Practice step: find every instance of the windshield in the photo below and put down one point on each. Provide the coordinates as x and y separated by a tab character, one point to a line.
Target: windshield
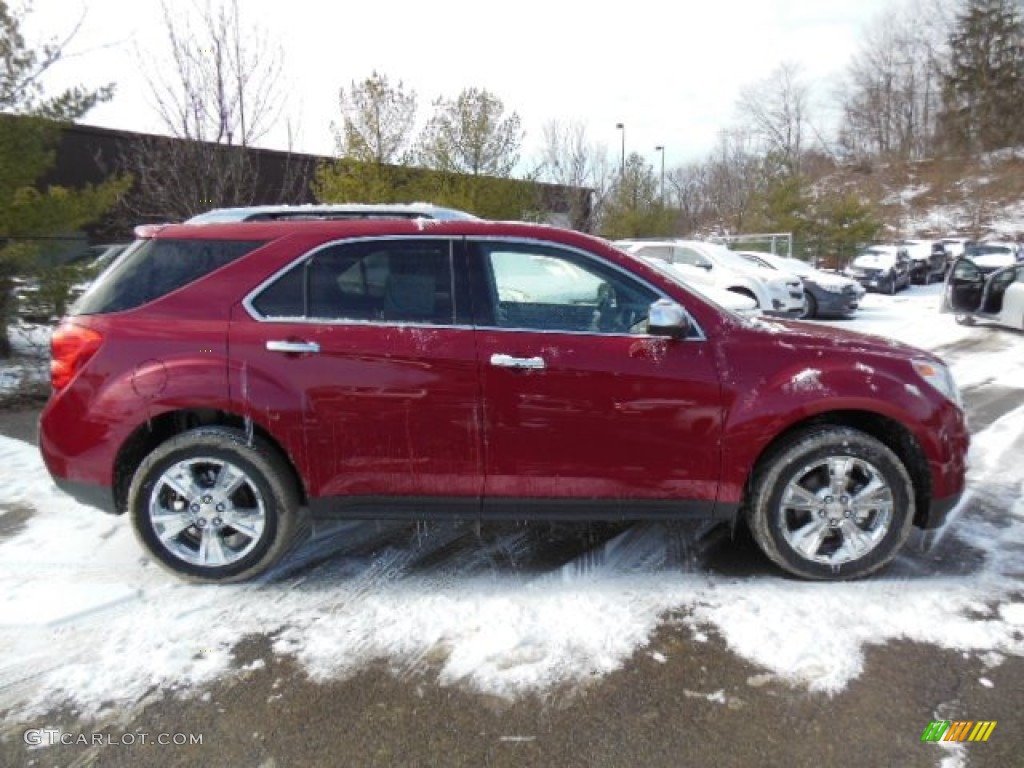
986	249
730	258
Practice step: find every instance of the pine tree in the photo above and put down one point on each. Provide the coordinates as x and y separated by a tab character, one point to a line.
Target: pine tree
983	89
27	144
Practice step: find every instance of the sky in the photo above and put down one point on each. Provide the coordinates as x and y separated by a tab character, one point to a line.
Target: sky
671	73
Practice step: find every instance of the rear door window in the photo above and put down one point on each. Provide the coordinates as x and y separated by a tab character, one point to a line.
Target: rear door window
408	281
155	268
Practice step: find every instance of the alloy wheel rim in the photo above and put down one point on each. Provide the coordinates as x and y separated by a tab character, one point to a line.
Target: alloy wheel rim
207	512
836	510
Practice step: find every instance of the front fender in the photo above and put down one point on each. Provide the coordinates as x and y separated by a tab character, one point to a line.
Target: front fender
799	393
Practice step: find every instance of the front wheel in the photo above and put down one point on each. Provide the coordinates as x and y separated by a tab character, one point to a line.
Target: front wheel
810	307
831	503
210	505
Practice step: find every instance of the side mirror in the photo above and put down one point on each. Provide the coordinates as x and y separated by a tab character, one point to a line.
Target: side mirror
666	318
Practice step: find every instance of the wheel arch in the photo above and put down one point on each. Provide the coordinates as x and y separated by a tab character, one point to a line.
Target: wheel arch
889	432
750	290
157	430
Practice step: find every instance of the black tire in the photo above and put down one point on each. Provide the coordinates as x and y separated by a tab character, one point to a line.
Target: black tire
892	286
810	307
267	481
798	461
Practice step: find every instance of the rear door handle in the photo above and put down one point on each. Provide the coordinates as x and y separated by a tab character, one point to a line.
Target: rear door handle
528	363
293	347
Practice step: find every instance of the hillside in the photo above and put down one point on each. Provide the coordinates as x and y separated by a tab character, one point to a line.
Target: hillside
980	197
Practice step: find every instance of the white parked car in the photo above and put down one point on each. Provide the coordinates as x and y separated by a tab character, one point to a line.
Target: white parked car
710	264
736	302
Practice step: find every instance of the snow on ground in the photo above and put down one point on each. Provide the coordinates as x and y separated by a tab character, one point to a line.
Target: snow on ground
87	620
30	367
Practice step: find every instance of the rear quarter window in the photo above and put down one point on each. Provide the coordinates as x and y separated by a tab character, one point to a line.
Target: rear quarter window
154	269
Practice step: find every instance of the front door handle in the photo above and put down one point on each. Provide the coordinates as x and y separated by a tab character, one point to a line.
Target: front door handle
293	347
528	363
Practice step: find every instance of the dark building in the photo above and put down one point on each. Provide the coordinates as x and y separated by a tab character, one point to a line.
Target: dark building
89	155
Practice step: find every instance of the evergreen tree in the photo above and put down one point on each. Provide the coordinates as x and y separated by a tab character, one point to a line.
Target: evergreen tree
27	144
634	207
983	89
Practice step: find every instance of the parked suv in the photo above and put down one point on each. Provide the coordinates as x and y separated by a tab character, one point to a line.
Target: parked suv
927	260
222	382
884	268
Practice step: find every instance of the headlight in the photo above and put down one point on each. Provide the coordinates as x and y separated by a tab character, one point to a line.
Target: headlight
939	376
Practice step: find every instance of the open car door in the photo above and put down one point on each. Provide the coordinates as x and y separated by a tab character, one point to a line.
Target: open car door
964	289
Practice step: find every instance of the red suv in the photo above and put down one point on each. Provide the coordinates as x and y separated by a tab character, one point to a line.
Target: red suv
224	381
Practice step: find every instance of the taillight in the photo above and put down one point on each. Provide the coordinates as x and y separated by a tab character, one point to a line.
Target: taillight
71	347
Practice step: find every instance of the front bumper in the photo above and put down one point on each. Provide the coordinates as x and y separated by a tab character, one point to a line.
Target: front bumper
788	303
873	282
837	304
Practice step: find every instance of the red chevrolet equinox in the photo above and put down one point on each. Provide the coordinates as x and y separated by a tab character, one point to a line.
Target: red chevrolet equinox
223	381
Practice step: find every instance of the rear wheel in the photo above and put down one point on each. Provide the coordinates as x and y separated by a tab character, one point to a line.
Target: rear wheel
831	503
209	505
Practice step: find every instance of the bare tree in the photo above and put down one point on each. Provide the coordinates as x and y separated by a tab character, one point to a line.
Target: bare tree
688	191
735	174
472	135
377	121
220	94
777	109
568	158
374	144
891	93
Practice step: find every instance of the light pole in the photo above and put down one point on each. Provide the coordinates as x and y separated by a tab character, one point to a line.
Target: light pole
661	148
622	163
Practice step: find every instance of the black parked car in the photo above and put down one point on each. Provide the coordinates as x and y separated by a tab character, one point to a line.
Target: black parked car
927	260
883	268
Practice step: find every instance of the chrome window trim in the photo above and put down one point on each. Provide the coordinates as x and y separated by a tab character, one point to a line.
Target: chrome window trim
247	301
